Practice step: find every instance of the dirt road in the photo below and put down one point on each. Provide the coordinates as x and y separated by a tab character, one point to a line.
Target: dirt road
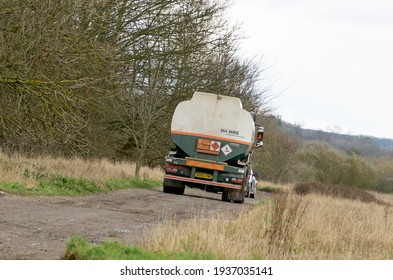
38	227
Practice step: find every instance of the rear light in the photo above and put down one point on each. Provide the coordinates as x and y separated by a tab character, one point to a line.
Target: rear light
171	170
171	165
174	168
260	133
259	137
237	180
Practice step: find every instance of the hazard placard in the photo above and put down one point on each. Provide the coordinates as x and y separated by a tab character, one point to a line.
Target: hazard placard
226	150
208	146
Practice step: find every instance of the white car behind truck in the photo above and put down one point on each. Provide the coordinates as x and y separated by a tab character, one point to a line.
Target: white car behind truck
214	138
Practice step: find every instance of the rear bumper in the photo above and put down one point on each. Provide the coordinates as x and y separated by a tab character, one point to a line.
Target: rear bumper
198	163
202	182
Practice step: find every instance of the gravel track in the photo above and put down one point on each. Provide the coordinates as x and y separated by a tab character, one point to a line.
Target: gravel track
37	228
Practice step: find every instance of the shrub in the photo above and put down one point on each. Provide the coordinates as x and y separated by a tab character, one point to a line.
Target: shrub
321	163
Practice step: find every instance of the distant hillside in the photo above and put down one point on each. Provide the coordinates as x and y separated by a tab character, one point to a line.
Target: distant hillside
384	143
365	145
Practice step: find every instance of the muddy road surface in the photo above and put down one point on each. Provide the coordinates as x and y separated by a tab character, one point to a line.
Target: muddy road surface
37	228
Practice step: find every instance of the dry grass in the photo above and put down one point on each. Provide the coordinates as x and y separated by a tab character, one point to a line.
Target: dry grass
288	227
339	191
26	171
387	198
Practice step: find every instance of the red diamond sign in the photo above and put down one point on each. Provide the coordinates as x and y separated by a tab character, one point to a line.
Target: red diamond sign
215	146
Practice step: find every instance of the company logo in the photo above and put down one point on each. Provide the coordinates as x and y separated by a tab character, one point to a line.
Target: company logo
229	131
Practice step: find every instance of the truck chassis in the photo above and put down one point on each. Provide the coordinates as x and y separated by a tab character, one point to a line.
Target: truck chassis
206	175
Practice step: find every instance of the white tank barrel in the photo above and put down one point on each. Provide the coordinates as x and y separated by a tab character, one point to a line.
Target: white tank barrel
215	118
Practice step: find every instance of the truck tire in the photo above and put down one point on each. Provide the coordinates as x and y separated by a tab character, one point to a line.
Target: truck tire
168	189
171	186
179	190
239	199
224	196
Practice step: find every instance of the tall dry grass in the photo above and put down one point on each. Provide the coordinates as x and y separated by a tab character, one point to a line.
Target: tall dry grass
287	227
26	171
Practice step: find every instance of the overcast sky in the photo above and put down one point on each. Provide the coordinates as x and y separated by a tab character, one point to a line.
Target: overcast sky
329	62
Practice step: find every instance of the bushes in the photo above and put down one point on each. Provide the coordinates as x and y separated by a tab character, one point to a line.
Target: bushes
285	159
324	164
321	163
290	157
384	167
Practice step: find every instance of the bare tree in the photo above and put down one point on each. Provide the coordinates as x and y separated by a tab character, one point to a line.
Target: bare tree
278	156
53	72
168	62
102	78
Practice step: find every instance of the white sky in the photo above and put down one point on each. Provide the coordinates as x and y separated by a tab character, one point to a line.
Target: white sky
329	62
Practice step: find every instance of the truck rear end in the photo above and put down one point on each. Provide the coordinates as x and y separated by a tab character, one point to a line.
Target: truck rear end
214	138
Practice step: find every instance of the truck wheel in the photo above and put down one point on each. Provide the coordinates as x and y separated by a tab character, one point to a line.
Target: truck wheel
172	186
224	196
179	190
239	198
168	189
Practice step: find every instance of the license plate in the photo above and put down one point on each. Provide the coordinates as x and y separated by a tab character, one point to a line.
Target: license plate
203	175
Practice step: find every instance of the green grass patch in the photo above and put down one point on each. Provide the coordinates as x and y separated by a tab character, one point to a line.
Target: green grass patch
54	185
12	187
132	183
80	249
59	185
65	186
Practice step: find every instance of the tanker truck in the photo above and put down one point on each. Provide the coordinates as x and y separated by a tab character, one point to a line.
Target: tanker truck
214	139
